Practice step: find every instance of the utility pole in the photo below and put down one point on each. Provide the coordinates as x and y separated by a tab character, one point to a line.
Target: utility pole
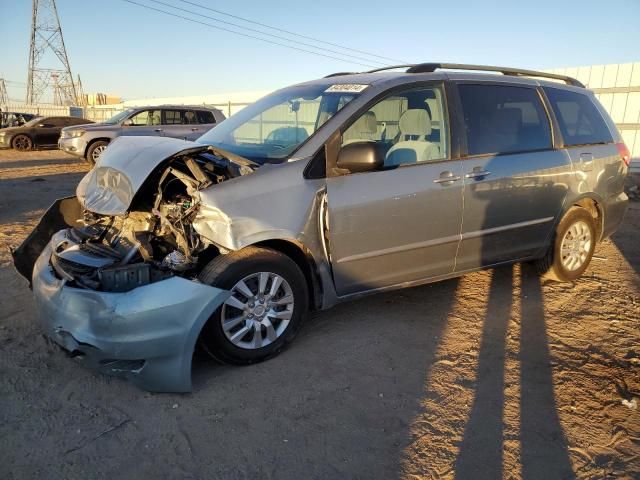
46	38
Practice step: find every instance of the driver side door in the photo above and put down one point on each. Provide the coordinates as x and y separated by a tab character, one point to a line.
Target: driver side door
400	223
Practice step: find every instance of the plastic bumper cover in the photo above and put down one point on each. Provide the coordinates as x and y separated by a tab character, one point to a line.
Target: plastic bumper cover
73	145
615	209
147	335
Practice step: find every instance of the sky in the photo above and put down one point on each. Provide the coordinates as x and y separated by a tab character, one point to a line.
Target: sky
124	49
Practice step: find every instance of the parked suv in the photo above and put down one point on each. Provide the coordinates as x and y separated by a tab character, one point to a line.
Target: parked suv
316	194
179	121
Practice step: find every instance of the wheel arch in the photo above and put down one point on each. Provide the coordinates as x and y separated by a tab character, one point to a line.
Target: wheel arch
594	205
297	252
94	140
29	135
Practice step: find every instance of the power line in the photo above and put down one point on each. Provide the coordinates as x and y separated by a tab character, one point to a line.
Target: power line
148	7
267	34
290	32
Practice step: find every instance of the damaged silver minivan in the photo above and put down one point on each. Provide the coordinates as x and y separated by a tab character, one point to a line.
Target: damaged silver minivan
319	193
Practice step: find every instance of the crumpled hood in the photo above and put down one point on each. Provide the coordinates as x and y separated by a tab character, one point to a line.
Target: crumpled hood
110	186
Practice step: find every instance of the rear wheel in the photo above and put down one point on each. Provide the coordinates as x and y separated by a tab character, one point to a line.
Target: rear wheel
572	249
268	302
22	143
95	150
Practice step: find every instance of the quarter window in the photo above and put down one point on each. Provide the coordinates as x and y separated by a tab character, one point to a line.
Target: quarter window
503	119
205	117
578	118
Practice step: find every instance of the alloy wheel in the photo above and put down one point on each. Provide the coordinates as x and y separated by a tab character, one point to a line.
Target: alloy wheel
258	311
95	154
575	246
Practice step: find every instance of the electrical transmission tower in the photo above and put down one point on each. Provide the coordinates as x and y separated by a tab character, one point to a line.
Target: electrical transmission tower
47	51
4	96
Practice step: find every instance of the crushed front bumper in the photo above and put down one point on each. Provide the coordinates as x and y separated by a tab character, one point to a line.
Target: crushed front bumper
147	335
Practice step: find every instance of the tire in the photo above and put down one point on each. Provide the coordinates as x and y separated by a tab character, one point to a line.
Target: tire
229	344
94	151
22	143
570	264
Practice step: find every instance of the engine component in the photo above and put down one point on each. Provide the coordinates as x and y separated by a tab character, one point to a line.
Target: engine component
128	277
179	262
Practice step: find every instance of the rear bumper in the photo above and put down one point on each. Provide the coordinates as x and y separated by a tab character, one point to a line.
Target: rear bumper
74	146
147	335
615	209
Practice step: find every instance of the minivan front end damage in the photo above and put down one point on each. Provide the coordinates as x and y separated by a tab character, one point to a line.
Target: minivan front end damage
114	270
146	334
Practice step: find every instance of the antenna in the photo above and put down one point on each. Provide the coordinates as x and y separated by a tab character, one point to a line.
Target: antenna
46	38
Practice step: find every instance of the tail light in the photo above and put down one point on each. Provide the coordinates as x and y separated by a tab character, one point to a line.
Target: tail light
624	152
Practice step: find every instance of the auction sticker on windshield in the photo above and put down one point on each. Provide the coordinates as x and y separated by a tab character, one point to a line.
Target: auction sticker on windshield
346	88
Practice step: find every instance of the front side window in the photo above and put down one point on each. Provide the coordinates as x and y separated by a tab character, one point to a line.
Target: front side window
578	118
409	127
146	117
503	119
271	129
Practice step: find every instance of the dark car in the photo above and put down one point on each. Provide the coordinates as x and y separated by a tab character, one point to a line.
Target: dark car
15	119
39	132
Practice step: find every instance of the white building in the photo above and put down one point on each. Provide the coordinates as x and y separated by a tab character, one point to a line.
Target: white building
617	86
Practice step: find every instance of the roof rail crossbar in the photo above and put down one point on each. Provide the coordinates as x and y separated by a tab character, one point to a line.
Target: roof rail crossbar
339	74
516	72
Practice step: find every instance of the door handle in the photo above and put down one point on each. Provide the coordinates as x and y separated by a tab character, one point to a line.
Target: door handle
477	172
195	129
447	177
157	130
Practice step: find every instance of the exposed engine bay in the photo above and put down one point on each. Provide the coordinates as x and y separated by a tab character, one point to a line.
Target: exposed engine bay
154	239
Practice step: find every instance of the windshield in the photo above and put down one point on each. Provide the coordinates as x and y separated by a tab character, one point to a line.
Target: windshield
271	129
119	117
33	122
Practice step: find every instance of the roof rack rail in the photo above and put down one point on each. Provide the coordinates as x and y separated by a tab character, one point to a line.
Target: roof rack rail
432	67
515	72
339	74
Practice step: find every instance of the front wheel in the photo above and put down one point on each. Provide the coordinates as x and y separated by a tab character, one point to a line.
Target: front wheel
572	249
269	299
95	150
22	143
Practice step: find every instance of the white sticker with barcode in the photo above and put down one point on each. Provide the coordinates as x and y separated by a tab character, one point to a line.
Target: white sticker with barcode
346	88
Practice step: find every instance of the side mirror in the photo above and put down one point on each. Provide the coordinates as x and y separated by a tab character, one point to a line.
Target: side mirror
127	123
360	157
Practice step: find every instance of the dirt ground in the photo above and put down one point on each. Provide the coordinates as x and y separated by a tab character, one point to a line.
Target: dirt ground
492	375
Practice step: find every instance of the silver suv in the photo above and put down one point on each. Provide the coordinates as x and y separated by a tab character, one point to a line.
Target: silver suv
316	194
177	121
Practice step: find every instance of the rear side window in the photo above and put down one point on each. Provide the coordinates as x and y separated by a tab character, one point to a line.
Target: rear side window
55	121
579	120
172	117
503	119
205	117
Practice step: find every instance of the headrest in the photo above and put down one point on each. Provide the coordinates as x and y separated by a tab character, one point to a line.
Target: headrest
507	120
415	121
369	122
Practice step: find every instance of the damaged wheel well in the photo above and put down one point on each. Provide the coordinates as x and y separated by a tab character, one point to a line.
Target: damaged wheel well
305	262
591	206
